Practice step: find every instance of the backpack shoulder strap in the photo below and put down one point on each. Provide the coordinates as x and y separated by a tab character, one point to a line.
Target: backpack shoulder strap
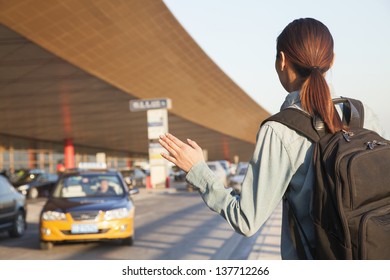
312	128
297	120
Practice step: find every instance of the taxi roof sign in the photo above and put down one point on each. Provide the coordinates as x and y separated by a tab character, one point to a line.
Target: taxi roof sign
137	105
92	165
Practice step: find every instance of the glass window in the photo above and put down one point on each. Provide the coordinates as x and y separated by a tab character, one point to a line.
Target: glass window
89	185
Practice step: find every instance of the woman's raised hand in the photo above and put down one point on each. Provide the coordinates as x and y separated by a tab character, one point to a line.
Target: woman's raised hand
181	154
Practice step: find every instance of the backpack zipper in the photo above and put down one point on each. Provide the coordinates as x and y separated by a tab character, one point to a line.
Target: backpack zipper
347	137
372	144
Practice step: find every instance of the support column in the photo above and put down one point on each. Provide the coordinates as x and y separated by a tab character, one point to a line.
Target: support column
32	159
69	153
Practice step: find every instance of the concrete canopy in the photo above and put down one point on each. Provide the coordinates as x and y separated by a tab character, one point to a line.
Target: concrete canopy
69	68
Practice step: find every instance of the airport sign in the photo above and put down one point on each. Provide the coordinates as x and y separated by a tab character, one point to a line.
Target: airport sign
137	105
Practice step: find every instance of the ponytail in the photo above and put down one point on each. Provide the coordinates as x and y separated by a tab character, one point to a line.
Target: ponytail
317	101
308	45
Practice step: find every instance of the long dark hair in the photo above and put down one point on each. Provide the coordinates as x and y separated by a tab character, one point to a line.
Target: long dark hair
308	45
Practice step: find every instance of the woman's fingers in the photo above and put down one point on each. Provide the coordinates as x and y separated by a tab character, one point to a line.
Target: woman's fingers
174	140
164	143
169	145
193	144
169	158
181	154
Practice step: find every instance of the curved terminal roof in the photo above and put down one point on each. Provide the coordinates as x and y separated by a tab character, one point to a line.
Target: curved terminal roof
69	69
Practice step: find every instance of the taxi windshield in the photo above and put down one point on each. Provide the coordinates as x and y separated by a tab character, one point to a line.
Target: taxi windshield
89	185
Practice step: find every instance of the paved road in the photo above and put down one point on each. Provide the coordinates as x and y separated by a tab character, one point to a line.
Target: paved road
169	225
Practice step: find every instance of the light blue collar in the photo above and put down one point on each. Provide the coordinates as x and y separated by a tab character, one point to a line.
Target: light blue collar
293	98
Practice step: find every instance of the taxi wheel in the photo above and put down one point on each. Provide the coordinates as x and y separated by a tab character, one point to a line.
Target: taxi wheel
128	241
46	245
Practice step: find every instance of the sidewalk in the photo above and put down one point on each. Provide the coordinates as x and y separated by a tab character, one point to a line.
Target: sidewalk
267	246
264	245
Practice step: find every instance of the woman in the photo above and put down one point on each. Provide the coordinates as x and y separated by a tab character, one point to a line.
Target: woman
282	160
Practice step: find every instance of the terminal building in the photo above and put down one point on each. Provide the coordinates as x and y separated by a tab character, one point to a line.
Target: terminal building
68	70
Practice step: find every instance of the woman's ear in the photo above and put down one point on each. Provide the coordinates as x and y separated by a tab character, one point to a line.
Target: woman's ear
282	61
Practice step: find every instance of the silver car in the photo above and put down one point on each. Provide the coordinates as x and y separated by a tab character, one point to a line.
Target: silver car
219	171
12	209
238	178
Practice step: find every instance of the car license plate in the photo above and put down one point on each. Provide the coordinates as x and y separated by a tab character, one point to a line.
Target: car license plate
84	228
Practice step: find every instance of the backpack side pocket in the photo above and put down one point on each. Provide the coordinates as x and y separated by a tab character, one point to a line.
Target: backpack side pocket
374	234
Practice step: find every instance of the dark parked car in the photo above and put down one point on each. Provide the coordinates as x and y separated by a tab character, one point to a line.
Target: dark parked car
33	183
12	209
178	174
134	177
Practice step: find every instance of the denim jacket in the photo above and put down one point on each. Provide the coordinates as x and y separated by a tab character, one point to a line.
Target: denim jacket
281	165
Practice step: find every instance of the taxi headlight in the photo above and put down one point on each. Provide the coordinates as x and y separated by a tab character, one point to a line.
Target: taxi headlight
53	216
116	214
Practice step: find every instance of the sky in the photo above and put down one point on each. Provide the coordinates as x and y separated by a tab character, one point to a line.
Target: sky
240	37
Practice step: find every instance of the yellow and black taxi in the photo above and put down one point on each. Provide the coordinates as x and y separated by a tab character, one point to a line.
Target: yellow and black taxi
88	204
